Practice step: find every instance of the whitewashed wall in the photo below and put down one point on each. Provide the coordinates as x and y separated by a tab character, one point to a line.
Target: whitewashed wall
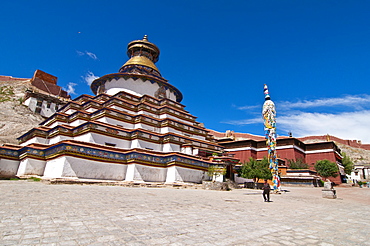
46	111
8	168
30	166
136	87
141	173
80	168
180	174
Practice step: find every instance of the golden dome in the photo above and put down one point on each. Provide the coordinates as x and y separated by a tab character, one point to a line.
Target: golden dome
141	60
142	53
144	48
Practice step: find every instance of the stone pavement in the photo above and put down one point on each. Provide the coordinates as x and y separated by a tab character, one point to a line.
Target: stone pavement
35	213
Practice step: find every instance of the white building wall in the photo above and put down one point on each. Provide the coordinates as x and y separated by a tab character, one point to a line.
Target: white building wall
136	87
70	111
198	137
150	145
47	109
180	174
58	138
30	166
77	122
147	113
91	110
169	130
56	123
141	173
80	168
115	122
102	139
165	116
359	173
8	168
31	103
168	147
54	168
35	140
124	110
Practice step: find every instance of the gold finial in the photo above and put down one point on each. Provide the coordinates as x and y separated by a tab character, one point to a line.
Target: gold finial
145	37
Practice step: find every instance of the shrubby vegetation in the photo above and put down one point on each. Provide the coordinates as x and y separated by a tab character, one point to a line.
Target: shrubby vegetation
256	169
297	164
326	168
5	93
347	163
215	171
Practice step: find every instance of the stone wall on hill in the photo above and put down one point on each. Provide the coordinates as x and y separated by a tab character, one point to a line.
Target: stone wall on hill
352	143
359	156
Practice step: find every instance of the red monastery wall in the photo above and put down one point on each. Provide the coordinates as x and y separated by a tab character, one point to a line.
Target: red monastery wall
244	155
290	153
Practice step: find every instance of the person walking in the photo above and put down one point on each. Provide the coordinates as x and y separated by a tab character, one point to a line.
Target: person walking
266	191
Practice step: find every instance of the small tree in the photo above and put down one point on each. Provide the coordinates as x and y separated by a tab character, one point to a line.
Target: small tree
256	170
297	164
347	163
215	171
326	168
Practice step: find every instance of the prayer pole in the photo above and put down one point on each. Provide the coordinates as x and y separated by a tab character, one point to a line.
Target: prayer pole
269	117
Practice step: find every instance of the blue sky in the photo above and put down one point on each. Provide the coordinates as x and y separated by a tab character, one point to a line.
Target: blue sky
314	56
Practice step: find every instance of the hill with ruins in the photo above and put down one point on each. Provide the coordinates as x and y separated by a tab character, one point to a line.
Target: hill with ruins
15	117
26	102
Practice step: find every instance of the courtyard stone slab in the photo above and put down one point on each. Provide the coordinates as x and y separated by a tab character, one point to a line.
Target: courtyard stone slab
36	213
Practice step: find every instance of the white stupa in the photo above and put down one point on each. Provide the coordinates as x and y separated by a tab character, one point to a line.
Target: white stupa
134	129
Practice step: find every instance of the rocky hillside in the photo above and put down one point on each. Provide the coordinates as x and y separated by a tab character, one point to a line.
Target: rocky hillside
15	118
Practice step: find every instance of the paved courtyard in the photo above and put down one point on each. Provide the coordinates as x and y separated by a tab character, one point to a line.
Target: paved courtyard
35	213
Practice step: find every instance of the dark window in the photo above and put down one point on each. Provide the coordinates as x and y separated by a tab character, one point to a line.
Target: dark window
110	144
39	103
38	110
48	104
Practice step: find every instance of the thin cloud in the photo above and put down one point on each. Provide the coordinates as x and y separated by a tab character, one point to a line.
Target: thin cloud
320	117
80	53
347	125
70	88
356	101
243	122
249	107
89	77
89	54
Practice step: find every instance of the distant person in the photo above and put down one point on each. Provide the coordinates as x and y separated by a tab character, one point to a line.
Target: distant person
266	191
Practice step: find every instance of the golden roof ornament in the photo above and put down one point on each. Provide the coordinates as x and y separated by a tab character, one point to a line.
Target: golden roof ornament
142	52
